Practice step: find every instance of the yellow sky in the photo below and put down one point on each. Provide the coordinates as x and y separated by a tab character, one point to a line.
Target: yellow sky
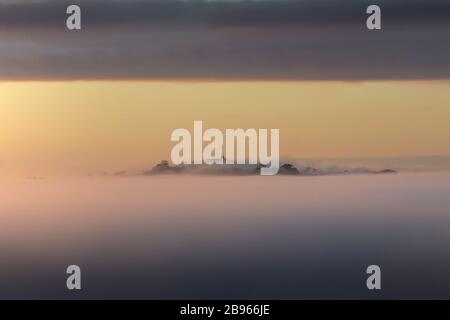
91	126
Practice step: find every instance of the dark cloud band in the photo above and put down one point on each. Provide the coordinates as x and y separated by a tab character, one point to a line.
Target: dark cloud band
264	40
221	13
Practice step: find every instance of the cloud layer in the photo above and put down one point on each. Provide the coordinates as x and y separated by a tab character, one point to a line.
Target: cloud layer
232	40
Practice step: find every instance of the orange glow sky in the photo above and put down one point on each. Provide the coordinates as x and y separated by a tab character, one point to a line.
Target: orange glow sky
89	126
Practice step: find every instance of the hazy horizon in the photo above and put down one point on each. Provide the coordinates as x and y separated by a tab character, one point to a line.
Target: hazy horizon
113	126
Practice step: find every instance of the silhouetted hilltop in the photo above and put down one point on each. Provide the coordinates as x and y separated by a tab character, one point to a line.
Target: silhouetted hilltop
164	167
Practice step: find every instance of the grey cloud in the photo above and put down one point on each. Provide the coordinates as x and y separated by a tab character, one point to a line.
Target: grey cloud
232	40
221	13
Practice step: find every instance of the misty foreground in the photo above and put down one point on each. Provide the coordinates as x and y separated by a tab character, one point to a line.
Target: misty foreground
226	237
